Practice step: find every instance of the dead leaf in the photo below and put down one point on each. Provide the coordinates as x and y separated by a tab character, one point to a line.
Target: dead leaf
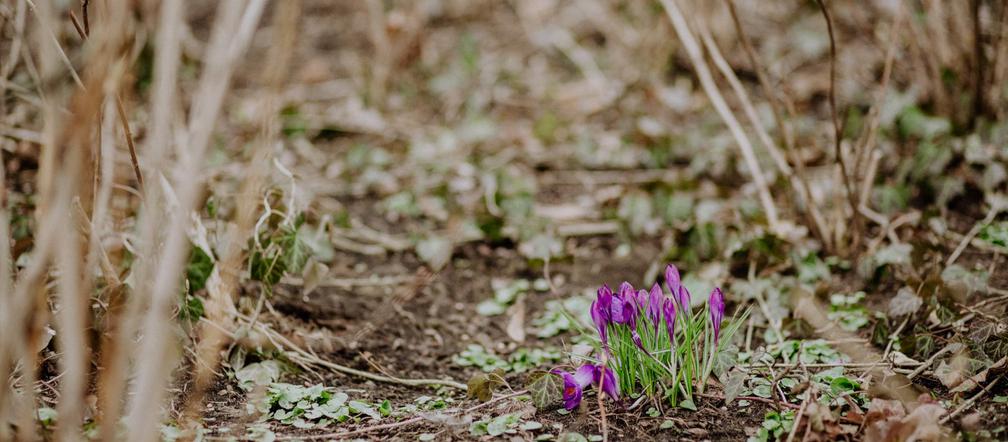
975	381
312	275
482	385
516	323
951	373
904	303
890	425
881	417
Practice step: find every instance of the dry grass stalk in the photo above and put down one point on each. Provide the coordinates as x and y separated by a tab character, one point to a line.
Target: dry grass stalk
695	54
220	305
113	380
231	35
799	185
845	175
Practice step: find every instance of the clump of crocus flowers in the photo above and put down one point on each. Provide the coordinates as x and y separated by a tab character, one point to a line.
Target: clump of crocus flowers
651	342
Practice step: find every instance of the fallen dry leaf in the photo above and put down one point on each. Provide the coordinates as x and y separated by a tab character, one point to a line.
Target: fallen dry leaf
516	324
975	381
892	426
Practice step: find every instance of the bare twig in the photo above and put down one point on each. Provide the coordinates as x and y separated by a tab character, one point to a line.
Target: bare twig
838	129
972	400
120	110
695	54
800	187
949	348
798	418
231	35
973	232
302	355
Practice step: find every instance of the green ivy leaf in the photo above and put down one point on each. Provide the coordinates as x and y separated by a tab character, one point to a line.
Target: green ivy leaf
546	389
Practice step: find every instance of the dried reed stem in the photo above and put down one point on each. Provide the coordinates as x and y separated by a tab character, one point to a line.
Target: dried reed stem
231	35
800	186
220	304
695	54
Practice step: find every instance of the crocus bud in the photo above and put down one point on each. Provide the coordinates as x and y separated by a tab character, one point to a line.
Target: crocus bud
717	307
672	281
683	298
670	318
654	306
601	309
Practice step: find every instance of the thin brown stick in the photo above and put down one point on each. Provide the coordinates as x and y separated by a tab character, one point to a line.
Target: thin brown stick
695	54
84	12
979	64
974	231
818	223
231	36
838	128
972	400
813	212
865	147
129	142
123	121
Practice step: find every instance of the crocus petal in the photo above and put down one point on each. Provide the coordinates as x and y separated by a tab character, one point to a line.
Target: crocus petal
584	375
605	297
642	299
637	340
571	390
605	378
670	318
683	297
672	281
654	306
626	290
600	315
623	305
717	307
630	312
616	310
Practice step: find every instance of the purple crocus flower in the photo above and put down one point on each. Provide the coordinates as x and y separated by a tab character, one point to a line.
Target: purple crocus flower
601	313
670	318
642	299
672	280
683	298
654	306
606	379
574	384
620	303
630	314
717	307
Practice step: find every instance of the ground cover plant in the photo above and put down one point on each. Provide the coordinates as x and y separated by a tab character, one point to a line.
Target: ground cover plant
524	220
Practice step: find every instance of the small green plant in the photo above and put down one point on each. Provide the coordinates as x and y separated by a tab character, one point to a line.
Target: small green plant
520	361
316	406
560	315
505	293
848	311
776	426
277	247
510	423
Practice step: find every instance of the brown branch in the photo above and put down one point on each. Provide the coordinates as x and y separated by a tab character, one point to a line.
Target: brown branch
129	142
980	64
84	12
838	128
812	212
83	32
